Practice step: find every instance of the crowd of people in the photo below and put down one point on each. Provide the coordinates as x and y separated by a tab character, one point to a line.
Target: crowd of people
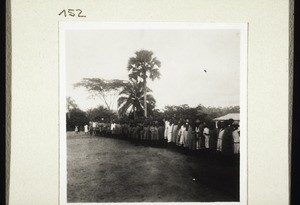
190	136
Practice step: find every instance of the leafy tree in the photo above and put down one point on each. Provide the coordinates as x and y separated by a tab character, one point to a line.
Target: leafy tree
158	114
184	112
74	115
199	112
77	118
141	67
214	112
99	113
71	103
132	98
106	90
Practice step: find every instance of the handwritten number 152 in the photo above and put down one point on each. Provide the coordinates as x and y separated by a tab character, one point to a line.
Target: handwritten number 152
72	13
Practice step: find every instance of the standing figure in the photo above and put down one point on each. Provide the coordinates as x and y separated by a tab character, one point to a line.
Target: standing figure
192	140
220	136
152	137
101	127
186	134
146	133
206	135
167	123
197	135
161	131
113	127
91	127
178	133
76	129
236	138
170	131
94	128
181	135
175	132
154	134
202	137
213	137
227	145
86	129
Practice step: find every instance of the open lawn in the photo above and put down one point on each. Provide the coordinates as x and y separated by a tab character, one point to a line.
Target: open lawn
103	169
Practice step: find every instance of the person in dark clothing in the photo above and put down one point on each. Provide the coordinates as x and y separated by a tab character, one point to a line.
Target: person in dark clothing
227	143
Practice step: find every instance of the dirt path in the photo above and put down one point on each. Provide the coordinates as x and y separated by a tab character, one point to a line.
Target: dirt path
103	169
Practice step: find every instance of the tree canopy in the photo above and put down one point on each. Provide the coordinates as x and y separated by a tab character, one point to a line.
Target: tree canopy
106	90
71	103
184	112
199	112
100	114
75	117
141	67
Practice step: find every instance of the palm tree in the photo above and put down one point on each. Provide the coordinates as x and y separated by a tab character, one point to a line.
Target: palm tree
142	67
132	98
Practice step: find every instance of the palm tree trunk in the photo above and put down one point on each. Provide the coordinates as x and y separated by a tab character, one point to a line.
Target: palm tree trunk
145	98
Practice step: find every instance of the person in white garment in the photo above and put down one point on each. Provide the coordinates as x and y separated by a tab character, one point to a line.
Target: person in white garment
197	133
166	128
206	135
175	131
113	127
186	133
86	129
181	134
76	129
167	123
170	131
236	138
94	128
220	136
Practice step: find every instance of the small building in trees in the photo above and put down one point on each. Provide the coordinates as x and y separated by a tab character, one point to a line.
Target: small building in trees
234	116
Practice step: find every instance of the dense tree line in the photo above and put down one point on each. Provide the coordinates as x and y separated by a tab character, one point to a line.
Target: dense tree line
75	116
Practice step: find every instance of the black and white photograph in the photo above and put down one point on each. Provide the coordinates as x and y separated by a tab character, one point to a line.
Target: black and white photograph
153	112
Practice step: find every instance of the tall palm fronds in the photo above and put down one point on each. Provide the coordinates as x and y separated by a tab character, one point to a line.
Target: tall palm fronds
132	98
142	67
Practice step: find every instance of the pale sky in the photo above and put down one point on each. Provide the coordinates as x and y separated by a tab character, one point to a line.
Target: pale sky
184	54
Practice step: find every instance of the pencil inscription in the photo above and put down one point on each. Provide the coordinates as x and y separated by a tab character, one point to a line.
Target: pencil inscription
72	13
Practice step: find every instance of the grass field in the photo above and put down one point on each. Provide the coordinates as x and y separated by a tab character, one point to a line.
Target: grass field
103	169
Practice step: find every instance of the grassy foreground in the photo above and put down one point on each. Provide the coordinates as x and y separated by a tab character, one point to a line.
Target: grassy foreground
102	169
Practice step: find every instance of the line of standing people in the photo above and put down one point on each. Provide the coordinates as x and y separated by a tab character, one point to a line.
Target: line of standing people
190	136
